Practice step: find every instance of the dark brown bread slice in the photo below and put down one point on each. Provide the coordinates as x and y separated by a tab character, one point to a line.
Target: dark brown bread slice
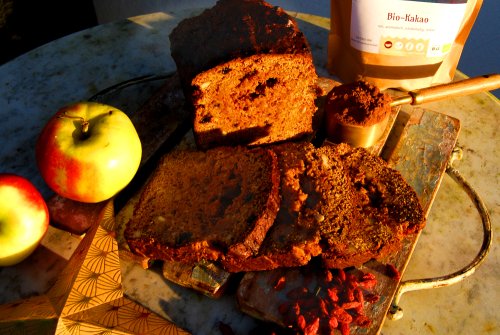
317	200
249	73
202	205
388	206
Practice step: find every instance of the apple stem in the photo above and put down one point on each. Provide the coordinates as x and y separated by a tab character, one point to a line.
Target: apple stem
85	127
85	123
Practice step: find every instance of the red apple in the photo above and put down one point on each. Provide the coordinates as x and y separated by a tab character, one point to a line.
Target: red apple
24	218
88	152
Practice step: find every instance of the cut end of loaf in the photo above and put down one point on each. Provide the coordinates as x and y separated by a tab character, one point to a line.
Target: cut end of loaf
255	100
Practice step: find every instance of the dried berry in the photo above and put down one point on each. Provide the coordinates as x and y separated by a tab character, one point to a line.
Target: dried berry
350	305
301	322
334	303
280	283
312	328
333	294
392	272
344	328
333	323
363	321
341	315
323	307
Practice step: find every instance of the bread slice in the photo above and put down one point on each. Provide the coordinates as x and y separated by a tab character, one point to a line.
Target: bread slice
203	205
388	210
294	237
255	100
229	30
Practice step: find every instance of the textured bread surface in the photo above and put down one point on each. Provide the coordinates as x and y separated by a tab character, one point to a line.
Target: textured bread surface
202	205
388	211
248	73
255	100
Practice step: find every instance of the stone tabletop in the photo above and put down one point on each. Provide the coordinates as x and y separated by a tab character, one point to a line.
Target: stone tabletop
78	66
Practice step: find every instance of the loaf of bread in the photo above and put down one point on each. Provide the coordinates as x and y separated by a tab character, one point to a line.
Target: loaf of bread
248	72
203	205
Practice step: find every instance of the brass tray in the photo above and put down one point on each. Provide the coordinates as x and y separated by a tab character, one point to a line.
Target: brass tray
417	142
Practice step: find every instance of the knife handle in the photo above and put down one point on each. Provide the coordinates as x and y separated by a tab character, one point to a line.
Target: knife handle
467	86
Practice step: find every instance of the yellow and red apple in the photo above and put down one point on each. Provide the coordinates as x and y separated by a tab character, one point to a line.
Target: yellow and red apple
88	152
24	218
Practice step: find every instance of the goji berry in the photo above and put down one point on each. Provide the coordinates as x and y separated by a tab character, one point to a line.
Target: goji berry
341	274
333	323
344	328
368	283
350	294
368	276
328	277
323	308
342	316
301	322
296	308
351	280
363	321
392	272
332	293
350	305
312	328
358	293
280	283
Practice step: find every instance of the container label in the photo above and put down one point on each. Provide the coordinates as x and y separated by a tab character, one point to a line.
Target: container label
406	27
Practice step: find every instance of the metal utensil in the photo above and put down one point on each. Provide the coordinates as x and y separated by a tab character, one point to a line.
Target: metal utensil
467	86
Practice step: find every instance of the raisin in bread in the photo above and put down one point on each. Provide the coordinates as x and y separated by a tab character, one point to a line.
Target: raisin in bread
203	205
248	72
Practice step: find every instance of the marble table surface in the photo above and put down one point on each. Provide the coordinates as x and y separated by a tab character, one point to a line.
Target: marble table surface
78	66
